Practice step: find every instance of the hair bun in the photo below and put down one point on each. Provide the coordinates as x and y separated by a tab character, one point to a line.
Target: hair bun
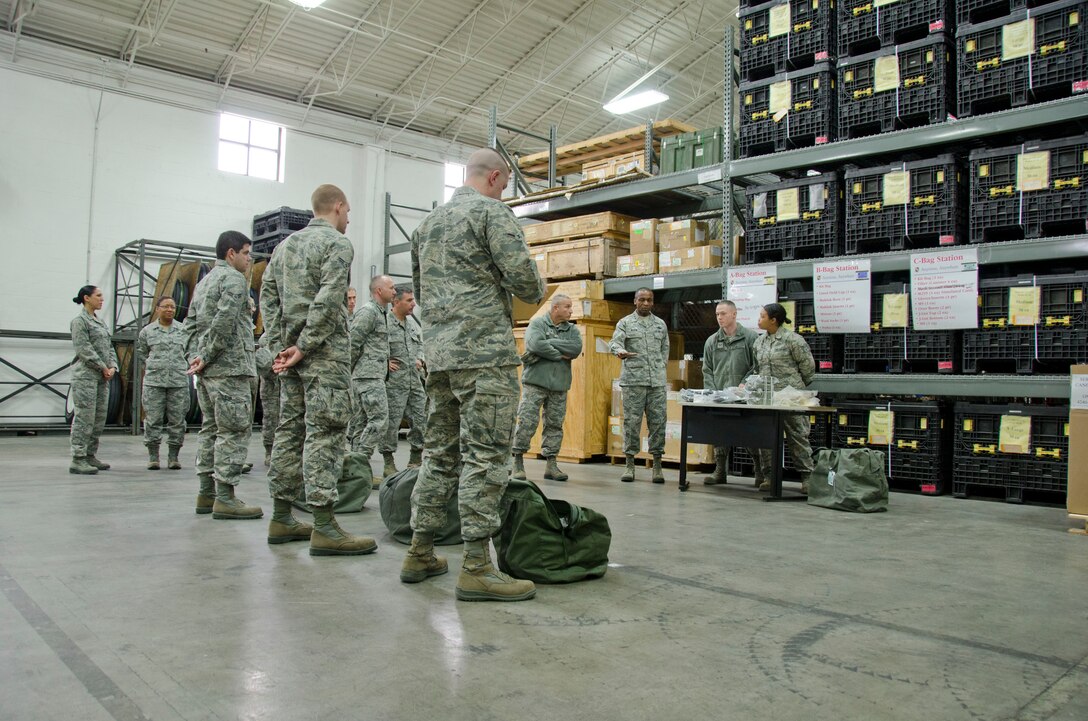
76	300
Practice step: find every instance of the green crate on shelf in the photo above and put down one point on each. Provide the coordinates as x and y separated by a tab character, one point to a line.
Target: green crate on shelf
688	151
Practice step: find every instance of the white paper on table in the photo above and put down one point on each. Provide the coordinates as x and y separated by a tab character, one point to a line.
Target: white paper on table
751	287
944	289
842	295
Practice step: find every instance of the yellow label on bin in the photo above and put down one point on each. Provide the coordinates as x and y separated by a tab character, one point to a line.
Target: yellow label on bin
1018	39
1015	436
1033	171
896	188
787	203
886	73
1024	305
896	310
880	427
791	309
779	20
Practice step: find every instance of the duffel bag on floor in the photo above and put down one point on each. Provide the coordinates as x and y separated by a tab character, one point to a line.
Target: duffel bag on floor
395	503
353	488
849	479
548	540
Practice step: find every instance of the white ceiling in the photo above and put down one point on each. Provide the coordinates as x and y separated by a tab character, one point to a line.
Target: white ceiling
434	66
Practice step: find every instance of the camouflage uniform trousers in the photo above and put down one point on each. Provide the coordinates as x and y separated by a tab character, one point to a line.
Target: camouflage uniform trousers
638	400
227	405
410	400
90	400
797	427
468	439
308	455
164	410
270	407
555	410
370	417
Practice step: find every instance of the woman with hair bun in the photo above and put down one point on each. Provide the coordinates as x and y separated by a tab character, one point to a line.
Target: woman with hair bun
94	365
161	350
784	357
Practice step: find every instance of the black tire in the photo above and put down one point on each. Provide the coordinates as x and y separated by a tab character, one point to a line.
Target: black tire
181	298
116	403
69	406
194	416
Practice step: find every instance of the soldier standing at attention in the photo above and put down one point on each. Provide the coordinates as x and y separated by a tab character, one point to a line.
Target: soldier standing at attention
220	348
728	358
306	320
270	397
784	357
468	256
94	366
369	367
641	341
404	389
550	345
161	350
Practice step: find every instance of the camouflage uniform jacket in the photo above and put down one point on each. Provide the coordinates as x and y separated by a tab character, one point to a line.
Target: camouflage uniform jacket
370	342
784	356
545	345
304	293
728	359
219	324
161	350
647	337
468	256
264	359
406	346
94	348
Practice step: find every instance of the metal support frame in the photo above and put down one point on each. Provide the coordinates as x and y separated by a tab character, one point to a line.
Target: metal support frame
521	185
390	221
728	197
34	381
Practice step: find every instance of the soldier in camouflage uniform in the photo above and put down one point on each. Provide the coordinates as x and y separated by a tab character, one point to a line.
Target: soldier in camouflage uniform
468	256
550	345
641	341
404	389
160	349
784	356
303	296
728	358
94	365
220	351
270	397
370	366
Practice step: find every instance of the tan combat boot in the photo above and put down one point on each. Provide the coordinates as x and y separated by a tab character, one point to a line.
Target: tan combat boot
229	508
519	468
205	497
389	466
659	475
421	561
329	539
719	474
415	459
629	472
552	472
481	581
81	466
153	458
100	465
284	527
172	461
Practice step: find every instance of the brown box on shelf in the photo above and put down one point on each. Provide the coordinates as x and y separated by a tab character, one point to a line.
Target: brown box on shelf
674	261
644	236
586	256
689	372
578	290
629	161
680	234
598	169
607	223
641	264
1076	496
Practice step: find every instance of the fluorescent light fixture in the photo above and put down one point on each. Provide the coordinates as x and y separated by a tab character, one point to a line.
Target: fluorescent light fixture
636	101
307	4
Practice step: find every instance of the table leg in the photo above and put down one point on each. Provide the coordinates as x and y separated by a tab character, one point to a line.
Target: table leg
776	461
683	450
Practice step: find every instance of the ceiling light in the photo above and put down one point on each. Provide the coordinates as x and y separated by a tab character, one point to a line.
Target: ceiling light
636	101
307	4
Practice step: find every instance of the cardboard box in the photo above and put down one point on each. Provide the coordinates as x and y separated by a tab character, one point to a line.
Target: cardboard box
585	256
681	234
598	169
641	264
630	161
1076	495
578	290
697	452
615	438
609	311
607	223
644	236
688	372
674	261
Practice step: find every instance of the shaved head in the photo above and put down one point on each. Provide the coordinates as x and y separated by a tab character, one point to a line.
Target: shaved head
484	161
325	198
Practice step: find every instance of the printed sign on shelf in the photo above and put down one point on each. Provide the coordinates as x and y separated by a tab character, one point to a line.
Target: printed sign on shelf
842	295
944	289
751	287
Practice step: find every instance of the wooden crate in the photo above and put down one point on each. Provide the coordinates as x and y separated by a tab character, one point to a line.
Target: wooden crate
585	427
583	258
570	158
606	224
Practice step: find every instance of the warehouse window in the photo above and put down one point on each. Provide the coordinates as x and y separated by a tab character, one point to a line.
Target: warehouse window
455	178
250	147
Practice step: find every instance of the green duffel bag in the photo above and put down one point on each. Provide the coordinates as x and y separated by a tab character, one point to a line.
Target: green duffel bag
395	504
849	479
550	541
354	487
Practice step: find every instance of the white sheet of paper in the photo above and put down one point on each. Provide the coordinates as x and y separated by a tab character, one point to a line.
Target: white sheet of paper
944	289
1078	397
842	295
751	287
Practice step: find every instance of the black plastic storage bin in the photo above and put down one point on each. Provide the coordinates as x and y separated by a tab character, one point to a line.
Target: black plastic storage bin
922	90
785	35
826	347
978	11
979	460
990	80
803	114
280	222
865	26
819	436
934	212
899	350
813	231
918	454
1006	206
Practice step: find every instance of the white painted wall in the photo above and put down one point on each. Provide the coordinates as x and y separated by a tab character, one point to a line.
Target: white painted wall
86	168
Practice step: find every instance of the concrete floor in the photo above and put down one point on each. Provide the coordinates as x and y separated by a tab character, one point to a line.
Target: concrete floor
119	602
